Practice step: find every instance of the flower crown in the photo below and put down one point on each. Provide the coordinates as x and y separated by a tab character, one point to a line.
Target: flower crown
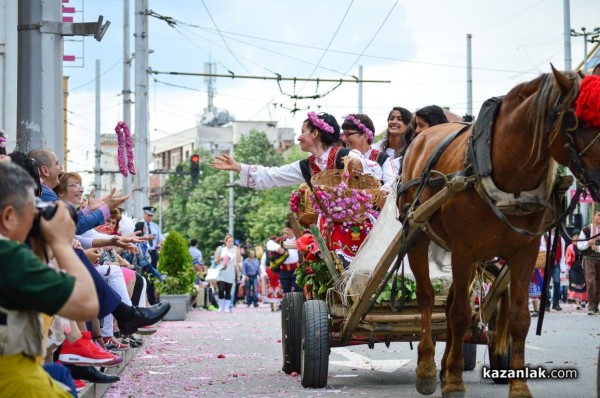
354	120
320	123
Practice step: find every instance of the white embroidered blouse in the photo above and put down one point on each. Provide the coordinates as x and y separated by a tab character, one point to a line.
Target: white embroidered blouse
261	177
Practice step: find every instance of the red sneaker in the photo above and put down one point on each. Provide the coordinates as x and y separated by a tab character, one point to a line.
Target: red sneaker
113	344
84	352
79	385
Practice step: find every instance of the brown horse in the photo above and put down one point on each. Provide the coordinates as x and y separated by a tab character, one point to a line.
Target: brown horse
534	124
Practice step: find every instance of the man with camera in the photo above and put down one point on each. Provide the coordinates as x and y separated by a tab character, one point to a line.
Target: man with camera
28	287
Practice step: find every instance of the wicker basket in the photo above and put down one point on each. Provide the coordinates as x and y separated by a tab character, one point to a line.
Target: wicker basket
306	212
329	181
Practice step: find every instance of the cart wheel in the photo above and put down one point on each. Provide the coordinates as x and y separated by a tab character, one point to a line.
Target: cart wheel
291	329
470	355
315	344
499	362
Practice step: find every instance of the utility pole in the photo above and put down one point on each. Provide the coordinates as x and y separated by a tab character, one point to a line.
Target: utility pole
39	81
98	167
231	196
141	139
594	39
360	89
567	33
469	116
127	95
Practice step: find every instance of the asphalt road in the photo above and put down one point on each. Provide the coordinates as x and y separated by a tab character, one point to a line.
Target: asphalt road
239	355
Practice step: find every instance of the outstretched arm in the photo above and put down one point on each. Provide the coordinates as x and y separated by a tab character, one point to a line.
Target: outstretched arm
226	162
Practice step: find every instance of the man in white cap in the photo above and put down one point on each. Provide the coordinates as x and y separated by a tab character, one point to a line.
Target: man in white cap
155	240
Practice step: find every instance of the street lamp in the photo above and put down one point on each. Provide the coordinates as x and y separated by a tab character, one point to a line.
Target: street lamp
594	39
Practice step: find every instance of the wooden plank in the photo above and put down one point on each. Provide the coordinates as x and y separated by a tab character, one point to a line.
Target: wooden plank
325	253
499	287
293	219
404	318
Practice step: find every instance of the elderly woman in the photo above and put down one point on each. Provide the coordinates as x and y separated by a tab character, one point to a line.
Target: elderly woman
320	133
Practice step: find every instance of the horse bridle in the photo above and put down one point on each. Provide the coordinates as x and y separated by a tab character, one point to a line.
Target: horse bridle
575	162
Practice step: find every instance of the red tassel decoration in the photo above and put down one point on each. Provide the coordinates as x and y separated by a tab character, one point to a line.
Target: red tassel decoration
587	107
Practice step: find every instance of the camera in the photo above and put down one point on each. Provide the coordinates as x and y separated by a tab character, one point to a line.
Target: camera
48	210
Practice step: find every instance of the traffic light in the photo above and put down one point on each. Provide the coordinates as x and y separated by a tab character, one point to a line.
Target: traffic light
195	169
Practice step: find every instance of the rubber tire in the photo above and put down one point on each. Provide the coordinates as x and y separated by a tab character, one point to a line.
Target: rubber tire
470	355
291	331
500	362
316	345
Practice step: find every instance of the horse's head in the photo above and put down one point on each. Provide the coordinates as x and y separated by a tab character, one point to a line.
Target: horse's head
578	118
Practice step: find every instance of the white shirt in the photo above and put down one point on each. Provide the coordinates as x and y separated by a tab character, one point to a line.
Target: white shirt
293	256
261	177
395	162
389	173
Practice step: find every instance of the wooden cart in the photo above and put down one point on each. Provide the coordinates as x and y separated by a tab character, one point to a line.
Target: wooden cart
311	327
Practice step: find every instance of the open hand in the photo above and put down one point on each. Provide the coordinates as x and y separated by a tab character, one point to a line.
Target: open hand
226	162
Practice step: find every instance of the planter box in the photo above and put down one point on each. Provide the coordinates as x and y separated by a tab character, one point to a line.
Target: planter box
179	306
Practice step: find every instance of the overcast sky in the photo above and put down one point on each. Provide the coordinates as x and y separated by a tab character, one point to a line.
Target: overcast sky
419	45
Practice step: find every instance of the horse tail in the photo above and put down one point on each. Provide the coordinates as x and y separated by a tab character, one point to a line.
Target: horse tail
502	333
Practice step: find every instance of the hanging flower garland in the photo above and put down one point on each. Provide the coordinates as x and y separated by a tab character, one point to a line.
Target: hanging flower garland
125	144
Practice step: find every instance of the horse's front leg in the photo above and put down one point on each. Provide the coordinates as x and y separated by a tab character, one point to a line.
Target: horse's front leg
458	318
448	335
419	263
521	268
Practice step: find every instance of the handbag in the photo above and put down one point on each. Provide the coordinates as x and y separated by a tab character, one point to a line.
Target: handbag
214	270
212	274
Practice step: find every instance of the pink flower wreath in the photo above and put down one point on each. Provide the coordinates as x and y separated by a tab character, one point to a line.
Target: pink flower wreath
124	141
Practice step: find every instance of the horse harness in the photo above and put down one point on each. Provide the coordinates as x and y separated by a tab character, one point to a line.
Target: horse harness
479	169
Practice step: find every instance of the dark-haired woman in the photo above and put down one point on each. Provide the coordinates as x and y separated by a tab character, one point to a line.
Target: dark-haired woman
429	116
319	134
393	144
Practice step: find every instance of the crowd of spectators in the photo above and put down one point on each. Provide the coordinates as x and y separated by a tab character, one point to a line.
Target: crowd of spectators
72	291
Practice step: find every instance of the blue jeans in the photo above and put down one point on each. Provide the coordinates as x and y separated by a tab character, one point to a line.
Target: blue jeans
288	281
252	281
556	282
59	373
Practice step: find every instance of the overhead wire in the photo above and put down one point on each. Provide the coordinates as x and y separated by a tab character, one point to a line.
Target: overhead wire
101	74
223	38
342	52
374	36
330	42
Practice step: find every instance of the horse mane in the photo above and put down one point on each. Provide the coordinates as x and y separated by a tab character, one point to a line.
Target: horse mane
550	106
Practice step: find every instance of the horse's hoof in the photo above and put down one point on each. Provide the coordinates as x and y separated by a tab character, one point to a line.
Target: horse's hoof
426	386
455	394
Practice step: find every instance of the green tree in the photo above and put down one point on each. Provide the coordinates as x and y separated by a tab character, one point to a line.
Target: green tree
202	212
176	263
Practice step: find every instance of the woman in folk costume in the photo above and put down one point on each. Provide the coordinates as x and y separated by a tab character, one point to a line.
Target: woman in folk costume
357	133
395	140
319	134
574	260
